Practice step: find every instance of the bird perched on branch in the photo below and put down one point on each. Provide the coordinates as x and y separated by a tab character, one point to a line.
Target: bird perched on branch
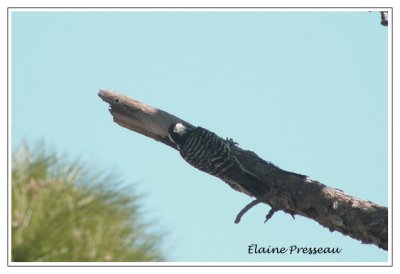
212	154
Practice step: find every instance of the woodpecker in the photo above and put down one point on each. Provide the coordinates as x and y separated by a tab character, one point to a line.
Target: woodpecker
212	154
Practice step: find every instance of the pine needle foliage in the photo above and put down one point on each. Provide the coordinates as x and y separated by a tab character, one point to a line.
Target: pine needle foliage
61	212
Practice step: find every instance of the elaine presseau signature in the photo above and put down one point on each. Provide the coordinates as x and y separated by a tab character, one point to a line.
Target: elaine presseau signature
293	249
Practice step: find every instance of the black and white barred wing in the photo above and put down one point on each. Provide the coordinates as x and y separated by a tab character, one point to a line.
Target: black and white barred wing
206	151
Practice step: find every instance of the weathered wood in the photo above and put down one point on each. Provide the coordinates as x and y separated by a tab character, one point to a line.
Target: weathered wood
282	190
139	117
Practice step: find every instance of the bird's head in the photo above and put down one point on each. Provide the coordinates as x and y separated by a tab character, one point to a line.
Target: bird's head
178	132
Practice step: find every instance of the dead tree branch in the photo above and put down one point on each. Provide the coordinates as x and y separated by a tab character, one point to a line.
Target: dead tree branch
282	190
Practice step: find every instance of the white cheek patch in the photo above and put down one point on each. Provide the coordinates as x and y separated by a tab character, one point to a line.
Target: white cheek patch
180	129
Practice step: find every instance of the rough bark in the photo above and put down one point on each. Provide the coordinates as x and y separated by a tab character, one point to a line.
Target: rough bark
290	192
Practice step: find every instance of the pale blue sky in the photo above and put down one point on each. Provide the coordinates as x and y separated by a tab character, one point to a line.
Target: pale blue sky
307	91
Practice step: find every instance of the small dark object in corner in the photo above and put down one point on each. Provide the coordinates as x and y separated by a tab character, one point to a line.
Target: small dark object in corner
384	18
